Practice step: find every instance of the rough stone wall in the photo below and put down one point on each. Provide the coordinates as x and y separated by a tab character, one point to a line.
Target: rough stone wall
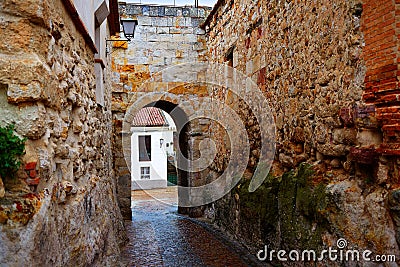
165	36
61	210
312	60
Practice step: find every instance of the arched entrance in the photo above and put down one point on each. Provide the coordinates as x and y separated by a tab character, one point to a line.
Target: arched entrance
205	176
182	127
168	103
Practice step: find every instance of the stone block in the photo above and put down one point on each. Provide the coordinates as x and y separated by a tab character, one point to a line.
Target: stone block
170	21
156	70
171	11
163	30
38	12
194	12
174	30
154	11
31	121
145	21
33	75
195	22
133	10
126	68
159	22
161	11
151	37
188	22
142	67
138	60
382	174
332	150
178	22
138	77
168	38
201	13
190	38
345	136
186	12
18	93
367	137
146	10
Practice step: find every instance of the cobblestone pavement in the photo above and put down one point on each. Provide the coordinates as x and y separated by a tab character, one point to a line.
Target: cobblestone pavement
159	236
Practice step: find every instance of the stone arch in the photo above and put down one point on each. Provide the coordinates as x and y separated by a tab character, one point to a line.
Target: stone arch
169	103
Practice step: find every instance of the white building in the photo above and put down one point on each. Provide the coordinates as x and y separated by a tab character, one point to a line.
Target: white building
152	143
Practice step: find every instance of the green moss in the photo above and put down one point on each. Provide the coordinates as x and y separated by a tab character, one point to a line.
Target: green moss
287	208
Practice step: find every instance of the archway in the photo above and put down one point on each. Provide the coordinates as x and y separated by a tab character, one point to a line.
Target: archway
182	127
168	103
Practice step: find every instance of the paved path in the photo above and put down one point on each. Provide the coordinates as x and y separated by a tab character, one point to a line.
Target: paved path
159	236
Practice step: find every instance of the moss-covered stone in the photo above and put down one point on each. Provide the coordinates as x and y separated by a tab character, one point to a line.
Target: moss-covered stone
289	210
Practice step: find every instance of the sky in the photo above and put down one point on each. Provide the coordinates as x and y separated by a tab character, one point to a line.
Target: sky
171	2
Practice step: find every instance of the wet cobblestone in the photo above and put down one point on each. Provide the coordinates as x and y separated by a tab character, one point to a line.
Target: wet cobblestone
159	236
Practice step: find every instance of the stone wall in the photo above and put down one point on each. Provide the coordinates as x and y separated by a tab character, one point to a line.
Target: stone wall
61	210
165	37
320	64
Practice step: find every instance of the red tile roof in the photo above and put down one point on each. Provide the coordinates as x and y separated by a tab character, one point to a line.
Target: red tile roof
150	116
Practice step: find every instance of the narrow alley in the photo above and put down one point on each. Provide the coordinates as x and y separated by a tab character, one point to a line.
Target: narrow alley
279	122
159	236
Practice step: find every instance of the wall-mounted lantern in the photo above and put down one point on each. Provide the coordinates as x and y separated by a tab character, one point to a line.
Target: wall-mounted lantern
161	142
128	28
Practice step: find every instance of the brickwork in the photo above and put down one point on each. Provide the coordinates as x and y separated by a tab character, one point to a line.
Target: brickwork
381	29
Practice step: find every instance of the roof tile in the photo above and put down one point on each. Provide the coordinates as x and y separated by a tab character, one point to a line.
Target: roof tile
149	116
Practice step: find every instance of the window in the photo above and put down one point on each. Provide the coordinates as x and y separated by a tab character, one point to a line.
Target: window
144	172
145	148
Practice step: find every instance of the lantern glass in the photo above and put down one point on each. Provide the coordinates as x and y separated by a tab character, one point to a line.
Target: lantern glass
128	26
